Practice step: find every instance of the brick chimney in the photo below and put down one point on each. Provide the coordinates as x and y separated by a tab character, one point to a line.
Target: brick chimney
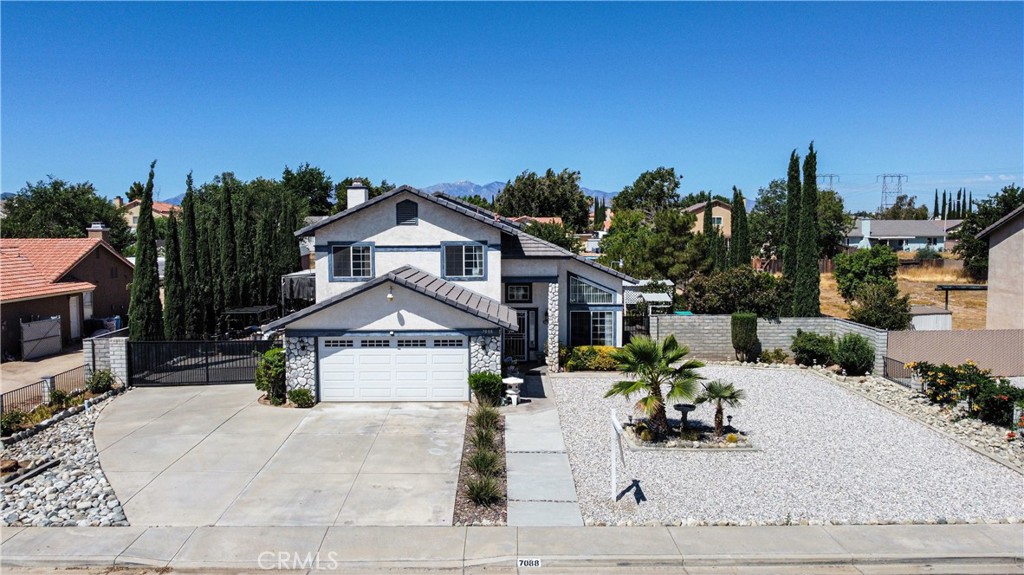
357	194
99	232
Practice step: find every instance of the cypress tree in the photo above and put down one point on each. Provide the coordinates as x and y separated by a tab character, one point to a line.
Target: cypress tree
959	204
935	206
792	219
265	253
228	249
807	287
970	203
145	317
215	291
174	288
190	270
944	204
739	245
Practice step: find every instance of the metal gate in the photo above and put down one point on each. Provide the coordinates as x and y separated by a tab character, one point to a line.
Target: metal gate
39	338
163	363
633	325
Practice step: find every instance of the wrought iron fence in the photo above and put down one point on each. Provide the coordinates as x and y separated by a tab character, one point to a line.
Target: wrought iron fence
32	396
897	372
163	363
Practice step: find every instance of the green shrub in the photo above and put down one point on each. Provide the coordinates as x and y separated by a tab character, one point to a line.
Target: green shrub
12	421
777	355
101	381
855	354
485	462
854	270
995	400
302	397
744	335
927	253
591	358
487	386
39	414
989	399
881	306
483	439
940	382
59	398
485	417
483	490
810	348
736	289
270	375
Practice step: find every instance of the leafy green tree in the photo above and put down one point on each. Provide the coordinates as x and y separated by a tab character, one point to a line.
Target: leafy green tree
625	246
739	243
479	201
833	224
867	266
720	395
145	317
651	365
670	246
741	289
311	184
135	191
555	233
792	233
652	192
190	269
904	208
807	286
228	248
553	194
58	209
881	305
174	289
768	220
701	196
986	212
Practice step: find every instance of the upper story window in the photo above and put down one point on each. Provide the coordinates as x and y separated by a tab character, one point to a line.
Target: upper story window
716	221
354	262
463	261
582	291
406	213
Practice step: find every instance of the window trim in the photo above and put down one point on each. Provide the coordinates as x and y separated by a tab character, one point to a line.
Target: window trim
529	292
331	246
415	221
464	278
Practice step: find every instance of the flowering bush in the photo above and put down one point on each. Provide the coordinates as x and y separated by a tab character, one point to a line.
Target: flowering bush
988	399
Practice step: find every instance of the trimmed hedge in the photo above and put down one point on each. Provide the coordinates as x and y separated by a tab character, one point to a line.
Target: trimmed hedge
744	335
487	386
810	348
855	354
591	358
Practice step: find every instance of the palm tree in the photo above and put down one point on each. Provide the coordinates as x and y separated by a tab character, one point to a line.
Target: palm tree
722	394
649	364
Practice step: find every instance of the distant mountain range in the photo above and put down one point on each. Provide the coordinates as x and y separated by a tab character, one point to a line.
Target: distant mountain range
459	189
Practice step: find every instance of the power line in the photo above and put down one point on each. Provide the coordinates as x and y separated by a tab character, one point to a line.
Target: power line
830	178
890	191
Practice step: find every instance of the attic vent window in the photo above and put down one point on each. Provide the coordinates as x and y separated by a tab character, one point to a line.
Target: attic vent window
407	213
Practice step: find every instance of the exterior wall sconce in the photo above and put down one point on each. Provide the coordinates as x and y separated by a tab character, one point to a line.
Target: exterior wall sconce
390	296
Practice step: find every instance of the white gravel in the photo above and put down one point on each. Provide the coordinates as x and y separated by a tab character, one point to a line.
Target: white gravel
825	455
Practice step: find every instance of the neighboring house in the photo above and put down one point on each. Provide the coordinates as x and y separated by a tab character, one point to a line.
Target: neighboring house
524	220
132	209
415	291
721	217
1006	271
902	235
657	299
930	318
74	278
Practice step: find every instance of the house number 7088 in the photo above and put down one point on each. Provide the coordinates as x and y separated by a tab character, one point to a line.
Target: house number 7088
529	562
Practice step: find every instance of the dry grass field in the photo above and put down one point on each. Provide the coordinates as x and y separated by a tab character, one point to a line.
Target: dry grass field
968	307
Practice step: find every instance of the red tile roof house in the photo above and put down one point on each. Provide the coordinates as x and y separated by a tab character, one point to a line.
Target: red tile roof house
75	278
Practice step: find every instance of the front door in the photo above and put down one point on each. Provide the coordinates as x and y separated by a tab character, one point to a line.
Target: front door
515	340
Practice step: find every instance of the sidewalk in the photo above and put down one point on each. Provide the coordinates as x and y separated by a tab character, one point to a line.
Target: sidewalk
806	549
541	489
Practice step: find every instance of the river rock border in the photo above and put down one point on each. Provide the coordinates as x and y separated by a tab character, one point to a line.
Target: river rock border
57	417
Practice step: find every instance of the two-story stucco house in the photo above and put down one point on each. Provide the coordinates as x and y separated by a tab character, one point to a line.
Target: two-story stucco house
416	291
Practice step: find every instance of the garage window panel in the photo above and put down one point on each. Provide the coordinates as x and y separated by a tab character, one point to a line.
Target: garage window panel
448	343
375	343
339	343
412	343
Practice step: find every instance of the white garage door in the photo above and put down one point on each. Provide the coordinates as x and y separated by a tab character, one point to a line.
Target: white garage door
394	369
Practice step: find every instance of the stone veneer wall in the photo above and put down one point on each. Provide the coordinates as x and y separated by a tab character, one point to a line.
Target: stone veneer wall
485	354
552	351
300	363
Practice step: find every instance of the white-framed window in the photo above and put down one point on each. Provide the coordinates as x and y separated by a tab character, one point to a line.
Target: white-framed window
352	262
583	291
463	261
518	293
716	221
591	328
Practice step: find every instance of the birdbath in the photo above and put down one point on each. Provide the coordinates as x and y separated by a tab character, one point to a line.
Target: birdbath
684	409
512	388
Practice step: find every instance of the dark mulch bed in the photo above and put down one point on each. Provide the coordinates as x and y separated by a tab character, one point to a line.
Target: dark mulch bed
467	512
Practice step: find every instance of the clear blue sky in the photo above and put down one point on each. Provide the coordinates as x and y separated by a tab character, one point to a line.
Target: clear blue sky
425	93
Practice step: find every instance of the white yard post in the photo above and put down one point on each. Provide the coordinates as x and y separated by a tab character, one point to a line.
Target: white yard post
611	453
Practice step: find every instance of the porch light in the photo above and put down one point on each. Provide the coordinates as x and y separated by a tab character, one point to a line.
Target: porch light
390	296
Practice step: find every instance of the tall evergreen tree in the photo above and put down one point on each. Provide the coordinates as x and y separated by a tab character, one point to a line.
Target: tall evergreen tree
807	286
174	288
190	270
792	233
739	244
228	248
935	206
944	204
970	204
145	317
959	204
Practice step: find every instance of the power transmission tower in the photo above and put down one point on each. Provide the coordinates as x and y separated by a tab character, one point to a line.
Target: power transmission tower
830	178
892	186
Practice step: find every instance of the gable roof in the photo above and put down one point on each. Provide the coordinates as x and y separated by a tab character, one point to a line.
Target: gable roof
478	214
882	229
1000	222
698	207
427	284
163	208
33	267
538	219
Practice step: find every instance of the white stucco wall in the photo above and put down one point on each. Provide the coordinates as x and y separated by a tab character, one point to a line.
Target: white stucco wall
436	224
409	310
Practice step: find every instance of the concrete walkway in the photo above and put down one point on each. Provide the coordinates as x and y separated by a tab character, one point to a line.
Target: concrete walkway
541	489
853	549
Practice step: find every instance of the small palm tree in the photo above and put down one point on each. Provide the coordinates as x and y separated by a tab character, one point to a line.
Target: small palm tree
721	394
650	365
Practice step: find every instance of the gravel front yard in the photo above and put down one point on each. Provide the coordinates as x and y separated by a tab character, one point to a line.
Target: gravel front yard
825	455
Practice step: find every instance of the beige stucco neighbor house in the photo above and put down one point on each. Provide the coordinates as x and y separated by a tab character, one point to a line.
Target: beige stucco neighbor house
416	291
1006	271
132	209
721	217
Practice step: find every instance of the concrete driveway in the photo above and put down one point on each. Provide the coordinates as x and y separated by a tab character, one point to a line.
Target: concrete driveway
212	455
18	374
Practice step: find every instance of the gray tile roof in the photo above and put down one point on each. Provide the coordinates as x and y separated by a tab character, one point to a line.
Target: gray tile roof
427	284
903	228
